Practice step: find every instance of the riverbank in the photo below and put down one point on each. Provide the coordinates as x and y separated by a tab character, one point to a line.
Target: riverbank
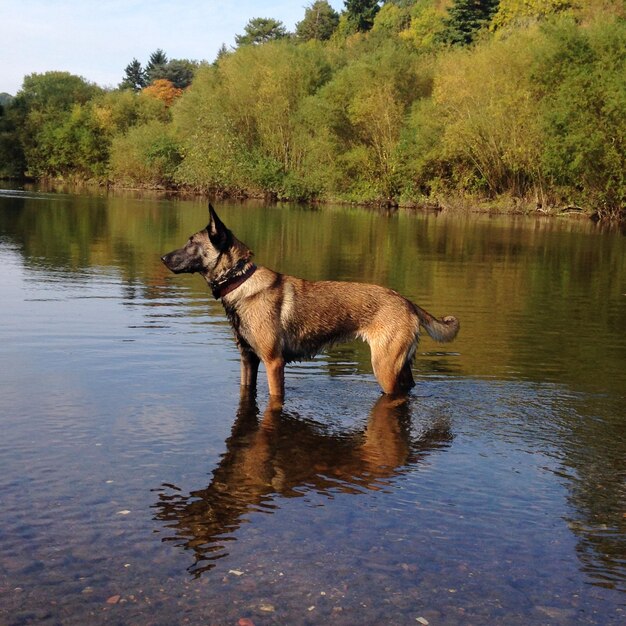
451	204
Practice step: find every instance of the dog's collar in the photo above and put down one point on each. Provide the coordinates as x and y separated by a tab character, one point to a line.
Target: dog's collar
231	280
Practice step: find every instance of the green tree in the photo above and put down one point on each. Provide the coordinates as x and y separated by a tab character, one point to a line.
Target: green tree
491	136
221	53
56	91
115	112
44	107
353	124
134	76
361	13
12	161
261	30
391	19
320	22
158	60
428	24
521	12
466	18
77	148
179	72
581	76
239	122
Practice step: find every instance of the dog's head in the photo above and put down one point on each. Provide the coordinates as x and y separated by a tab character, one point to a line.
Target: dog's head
212	252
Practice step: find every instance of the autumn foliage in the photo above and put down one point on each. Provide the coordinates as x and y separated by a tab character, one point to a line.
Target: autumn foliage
164	90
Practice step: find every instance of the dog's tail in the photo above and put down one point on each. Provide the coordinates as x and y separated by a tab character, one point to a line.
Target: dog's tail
443	330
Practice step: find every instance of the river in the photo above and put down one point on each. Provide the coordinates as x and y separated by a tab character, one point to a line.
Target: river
137	488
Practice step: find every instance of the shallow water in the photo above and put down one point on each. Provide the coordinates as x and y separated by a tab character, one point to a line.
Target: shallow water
137	488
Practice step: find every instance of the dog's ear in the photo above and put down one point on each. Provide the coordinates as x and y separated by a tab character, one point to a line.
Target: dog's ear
219	235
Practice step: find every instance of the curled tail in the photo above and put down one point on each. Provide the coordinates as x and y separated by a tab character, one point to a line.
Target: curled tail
442	330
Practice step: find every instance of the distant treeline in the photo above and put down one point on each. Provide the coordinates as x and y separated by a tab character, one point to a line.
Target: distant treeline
521	102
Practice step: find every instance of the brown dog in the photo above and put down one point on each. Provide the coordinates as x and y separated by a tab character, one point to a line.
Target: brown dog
278	318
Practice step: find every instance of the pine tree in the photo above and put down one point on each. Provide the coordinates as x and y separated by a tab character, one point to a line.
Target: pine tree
221	53
134	76
362	13
466	18
261	30
158	60
319	22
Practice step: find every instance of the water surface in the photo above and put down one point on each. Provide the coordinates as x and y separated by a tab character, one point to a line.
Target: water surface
136	487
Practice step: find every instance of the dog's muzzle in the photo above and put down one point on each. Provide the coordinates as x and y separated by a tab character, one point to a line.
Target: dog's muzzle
180	262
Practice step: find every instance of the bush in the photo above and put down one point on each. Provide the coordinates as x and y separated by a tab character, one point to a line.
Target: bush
354	123
238	123
485	100
147	155
583	100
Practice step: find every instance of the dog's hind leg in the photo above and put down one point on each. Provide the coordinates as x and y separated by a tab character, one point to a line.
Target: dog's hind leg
386	372
249	368
392	366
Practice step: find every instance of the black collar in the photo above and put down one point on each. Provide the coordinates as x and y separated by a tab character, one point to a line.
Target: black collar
232	279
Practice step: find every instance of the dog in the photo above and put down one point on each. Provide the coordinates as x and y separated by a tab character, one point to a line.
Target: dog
278	318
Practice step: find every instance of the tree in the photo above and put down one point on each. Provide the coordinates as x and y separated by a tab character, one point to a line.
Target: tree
362	13
319	22
164	90
466	18
12	162
515	12
261	30
178	71
56	91
239	122
146	155
221	53
491	130
391	19
49	110
428	23
582	79
134	76
158	59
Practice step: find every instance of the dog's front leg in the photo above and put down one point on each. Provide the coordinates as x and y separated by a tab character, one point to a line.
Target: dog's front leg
276	378
249	369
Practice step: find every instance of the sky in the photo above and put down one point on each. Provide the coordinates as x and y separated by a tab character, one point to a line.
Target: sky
97	39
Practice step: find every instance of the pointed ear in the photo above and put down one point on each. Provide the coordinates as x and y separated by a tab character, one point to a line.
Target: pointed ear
218	233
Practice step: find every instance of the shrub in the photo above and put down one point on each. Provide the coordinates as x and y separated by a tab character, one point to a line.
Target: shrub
147	155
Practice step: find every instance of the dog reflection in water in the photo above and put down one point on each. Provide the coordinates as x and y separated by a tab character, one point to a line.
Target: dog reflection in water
278	454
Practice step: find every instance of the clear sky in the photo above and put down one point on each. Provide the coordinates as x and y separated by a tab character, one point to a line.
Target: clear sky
97	39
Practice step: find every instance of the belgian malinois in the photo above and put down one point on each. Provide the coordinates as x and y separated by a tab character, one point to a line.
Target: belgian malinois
278	318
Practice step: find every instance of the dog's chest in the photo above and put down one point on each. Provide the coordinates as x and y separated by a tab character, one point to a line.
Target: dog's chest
235	321
248	332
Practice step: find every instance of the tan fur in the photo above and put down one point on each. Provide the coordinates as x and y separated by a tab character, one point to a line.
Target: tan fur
279	318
